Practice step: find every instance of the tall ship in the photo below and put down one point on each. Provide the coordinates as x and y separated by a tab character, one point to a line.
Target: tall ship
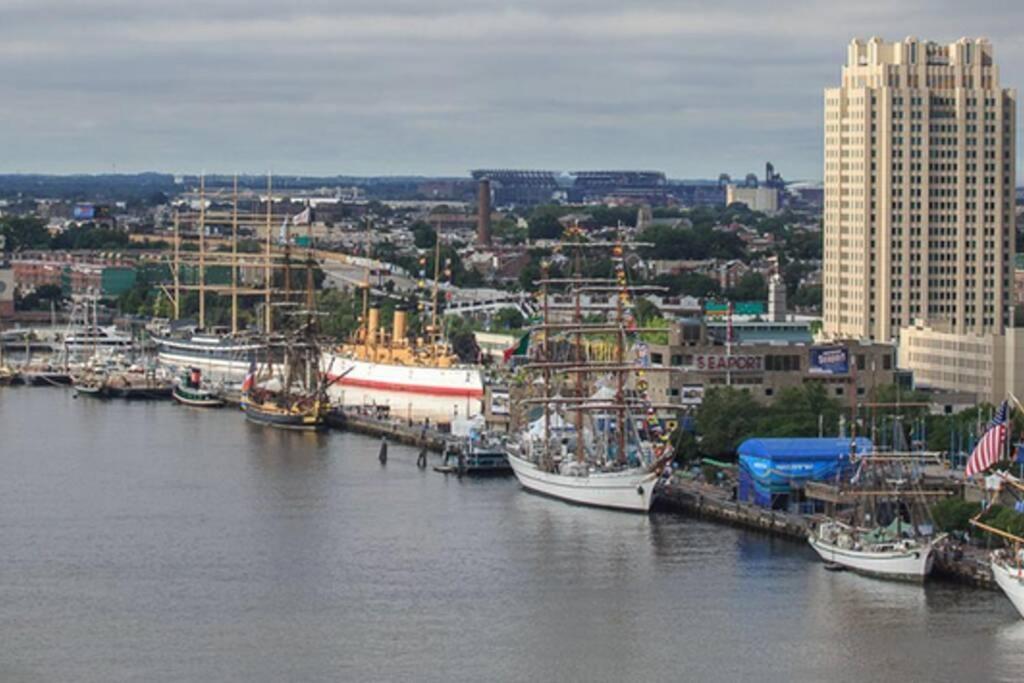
218	356
295	397
590	434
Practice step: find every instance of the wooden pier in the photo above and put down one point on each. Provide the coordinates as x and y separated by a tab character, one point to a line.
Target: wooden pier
715	503
399	431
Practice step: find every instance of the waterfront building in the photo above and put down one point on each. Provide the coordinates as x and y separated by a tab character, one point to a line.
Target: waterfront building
702	360
919	190
986	365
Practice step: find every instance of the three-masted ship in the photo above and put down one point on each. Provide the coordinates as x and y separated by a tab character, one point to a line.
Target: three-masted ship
296	398
589	432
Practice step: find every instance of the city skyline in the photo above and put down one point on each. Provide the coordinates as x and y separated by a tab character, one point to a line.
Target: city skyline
389	88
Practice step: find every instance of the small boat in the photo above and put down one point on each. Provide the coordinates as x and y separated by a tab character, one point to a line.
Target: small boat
876	552
189	391
90	381
474	456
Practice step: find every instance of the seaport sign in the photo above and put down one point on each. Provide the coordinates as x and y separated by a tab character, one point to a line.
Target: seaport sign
723	363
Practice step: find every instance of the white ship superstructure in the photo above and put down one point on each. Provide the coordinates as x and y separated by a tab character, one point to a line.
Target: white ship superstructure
415	391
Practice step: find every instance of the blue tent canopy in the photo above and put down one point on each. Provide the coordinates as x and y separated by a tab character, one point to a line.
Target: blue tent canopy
770	467
802	448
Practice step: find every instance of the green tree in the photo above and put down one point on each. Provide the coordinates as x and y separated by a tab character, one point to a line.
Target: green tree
797	411
808	297
725	418
509	319
645	311
751	287
24	232
423	235
545	227
690	284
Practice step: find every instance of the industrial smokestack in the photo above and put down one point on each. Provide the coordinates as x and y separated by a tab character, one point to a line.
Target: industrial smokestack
483	219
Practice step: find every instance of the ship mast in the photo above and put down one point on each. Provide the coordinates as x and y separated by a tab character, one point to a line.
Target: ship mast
176	275
546	452
234	256
578	353
620	354
310	253
202	252
435	338
267	273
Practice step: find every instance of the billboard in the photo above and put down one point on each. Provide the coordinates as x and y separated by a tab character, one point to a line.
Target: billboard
691	394
84	212
722	363
500	403
717	309
829	360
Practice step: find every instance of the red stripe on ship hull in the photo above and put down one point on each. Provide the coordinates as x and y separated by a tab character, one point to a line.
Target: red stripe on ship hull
407	388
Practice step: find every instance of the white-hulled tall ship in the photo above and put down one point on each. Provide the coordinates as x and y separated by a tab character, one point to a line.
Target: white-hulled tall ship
595	442
218	356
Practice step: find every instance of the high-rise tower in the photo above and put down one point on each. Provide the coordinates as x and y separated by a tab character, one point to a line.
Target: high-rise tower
919	190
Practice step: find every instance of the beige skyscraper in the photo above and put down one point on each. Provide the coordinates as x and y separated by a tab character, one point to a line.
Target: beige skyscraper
919	191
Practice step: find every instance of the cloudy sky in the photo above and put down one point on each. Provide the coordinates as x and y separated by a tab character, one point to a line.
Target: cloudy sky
440	86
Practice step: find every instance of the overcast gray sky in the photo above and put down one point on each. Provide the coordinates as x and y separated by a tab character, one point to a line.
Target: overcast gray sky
439	86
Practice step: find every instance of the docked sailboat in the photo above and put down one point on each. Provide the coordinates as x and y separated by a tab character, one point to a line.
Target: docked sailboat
591	435
885	531
881	552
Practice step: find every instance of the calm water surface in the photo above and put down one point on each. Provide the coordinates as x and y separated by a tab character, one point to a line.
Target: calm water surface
149	542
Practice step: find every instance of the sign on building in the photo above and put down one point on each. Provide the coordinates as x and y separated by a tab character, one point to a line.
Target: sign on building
500	403
830	360
724	363
691	394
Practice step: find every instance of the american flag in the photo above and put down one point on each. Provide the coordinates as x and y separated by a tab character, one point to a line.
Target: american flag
990	448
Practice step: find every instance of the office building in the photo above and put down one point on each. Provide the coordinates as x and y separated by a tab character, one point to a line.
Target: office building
919	191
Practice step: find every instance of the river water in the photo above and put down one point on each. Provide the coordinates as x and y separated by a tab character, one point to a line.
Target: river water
150	542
